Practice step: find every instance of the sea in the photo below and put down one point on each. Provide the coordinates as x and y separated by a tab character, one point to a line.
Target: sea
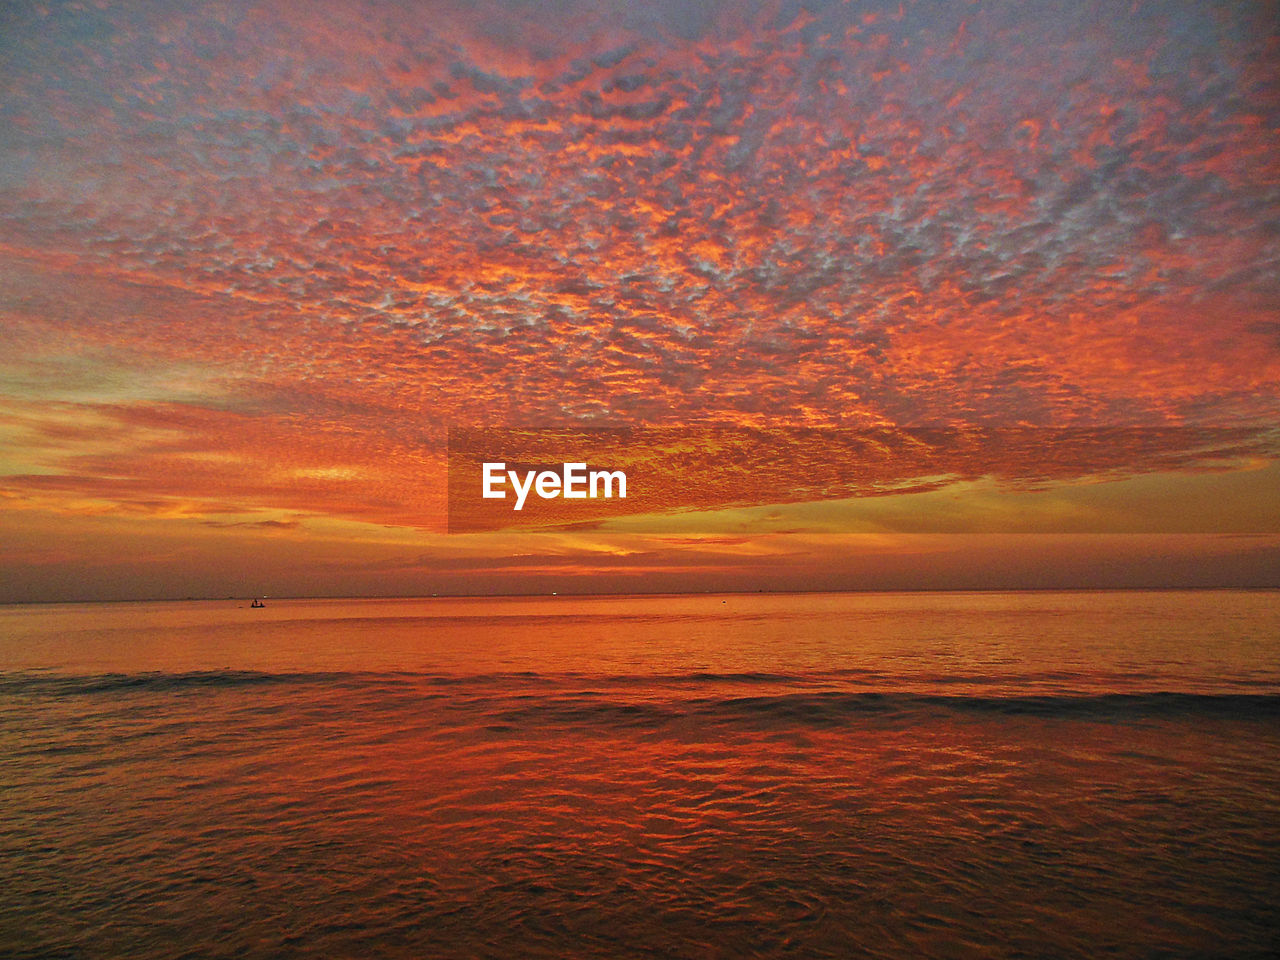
951	775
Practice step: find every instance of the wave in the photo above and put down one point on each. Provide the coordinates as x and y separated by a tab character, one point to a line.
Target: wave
73	685
834	709
523	699
833	706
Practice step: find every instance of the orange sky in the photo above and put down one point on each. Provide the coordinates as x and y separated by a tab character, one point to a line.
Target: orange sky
256	259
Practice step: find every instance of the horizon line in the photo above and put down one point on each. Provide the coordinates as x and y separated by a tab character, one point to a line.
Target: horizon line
654	593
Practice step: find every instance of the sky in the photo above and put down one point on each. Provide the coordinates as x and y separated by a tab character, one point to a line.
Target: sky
258	260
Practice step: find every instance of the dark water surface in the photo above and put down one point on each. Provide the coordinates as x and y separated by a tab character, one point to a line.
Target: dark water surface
931	775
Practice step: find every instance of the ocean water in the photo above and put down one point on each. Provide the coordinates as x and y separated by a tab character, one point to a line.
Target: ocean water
885	775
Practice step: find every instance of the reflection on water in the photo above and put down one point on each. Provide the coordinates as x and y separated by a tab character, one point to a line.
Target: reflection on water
890	775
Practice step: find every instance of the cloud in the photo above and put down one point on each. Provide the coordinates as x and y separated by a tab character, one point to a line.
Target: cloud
255	524
278	251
